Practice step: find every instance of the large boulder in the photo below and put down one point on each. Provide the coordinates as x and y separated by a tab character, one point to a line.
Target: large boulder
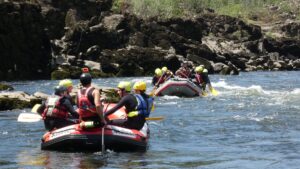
137	61
292	29
17	100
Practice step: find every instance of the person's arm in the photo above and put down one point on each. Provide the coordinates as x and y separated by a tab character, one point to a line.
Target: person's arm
98	104
154	80
41	109
67	103
120	104
177	73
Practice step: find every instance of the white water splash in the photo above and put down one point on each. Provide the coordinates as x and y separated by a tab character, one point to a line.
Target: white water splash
169	103
253	88
255	117
295	91
170	97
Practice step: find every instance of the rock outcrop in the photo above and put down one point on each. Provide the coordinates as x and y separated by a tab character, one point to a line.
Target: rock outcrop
55	38
21	100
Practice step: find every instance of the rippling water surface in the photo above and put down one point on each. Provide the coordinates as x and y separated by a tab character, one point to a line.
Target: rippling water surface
253	123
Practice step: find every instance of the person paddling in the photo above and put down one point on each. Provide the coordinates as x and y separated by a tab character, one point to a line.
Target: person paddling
184	71
206	80
138	106
88	101
197	77
158	78
167	74
55	110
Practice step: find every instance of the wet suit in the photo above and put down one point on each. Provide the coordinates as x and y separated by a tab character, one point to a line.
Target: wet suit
130	103
206	81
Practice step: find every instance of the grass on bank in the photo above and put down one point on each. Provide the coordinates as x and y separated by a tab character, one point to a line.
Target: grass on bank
267	10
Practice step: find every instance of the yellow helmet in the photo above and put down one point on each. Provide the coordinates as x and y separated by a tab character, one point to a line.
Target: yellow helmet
140	86
199	69
205	71
125	85
164	69
158	72
66	83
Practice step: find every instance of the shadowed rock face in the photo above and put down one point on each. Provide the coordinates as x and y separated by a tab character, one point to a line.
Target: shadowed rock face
24	46
58	37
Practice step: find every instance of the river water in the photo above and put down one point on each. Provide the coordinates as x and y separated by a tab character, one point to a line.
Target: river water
253	123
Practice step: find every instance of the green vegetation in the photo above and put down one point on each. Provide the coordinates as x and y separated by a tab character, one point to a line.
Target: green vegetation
246	9
5	87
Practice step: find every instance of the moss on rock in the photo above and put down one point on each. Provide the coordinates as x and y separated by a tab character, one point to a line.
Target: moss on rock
5	87
60	74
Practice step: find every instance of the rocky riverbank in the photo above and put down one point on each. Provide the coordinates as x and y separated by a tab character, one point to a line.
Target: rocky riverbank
19	100
45	39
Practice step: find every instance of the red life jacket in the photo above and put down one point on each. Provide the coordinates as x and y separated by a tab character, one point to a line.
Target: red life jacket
160	80
85	106
199	79
183	73
54	108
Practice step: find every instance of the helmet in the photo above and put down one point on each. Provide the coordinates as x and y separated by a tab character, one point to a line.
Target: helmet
164	69
85	78
59	90
158	72
199	69
205	71
125	85
67	83
140	86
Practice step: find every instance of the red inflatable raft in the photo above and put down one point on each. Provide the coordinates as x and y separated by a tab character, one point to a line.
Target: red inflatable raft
180	87
74	138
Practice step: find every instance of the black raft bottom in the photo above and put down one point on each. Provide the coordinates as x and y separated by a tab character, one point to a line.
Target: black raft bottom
92	143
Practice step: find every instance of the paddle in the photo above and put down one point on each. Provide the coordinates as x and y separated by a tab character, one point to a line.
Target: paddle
155	118
35	108
30	117
214	92
204	93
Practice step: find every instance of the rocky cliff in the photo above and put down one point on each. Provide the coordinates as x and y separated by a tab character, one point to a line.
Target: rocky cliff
55	38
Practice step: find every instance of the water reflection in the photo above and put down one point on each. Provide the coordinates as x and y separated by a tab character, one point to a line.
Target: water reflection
52	159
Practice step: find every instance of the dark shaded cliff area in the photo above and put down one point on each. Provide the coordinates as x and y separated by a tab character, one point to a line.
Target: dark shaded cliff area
54	39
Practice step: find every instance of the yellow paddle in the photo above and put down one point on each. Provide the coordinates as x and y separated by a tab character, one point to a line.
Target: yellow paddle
155	118
35	107
152	93
214	92
204	93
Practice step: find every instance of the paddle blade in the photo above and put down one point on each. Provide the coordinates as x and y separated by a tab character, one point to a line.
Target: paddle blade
35	107
152	93
204	93
214	92
29	117
155	118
